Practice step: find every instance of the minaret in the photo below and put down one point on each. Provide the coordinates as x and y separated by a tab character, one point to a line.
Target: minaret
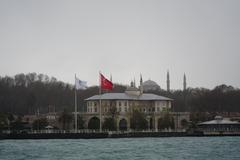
141	81
168	82
184	83
131	84
141	84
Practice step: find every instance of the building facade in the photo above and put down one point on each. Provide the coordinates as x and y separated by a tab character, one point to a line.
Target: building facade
219	125
121	106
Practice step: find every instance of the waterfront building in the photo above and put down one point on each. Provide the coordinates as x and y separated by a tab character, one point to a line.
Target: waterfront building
51	116
219	125
122	106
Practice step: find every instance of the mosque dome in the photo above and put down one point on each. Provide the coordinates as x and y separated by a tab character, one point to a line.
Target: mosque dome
150	85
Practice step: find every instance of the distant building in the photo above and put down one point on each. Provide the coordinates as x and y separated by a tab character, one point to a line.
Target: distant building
154	107
52	118
219	125
150	85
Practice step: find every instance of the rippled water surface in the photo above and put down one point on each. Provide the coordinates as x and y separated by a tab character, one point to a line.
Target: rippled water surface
187	148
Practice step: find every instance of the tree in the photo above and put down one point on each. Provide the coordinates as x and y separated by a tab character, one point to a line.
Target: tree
197	117
3	121
184	123
30	78
138	121
109	124
18	124
80	122
20	79
94	123
65	119
40	124
166	122
31	101
113	111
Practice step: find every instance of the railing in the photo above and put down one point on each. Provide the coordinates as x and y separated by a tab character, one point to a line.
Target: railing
46	131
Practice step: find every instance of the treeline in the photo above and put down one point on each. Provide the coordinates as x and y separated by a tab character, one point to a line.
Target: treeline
222	98
32	93
27	94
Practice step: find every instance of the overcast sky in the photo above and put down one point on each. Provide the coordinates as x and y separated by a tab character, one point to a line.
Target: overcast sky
123	38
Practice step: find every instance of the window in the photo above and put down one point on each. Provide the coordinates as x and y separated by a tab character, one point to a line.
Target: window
95	109
125	103
120	109
119	103
164	103
112	103
95	104
158	109
125	109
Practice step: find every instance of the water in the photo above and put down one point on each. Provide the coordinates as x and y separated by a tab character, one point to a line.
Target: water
179	148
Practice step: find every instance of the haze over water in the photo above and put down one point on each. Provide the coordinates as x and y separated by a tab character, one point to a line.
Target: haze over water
187	148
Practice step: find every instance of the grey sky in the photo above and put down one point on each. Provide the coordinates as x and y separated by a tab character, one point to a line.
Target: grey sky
123	38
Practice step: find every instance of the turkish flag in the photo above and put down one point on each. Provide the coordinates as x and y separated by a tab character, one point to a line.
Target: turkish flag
105	83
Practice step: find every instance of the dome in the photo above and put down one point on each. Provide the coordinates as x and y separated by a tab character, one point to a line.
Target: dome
150	85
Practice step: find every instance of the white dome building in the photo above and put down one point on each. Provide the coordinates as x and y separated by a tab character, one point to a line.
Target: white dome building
150	85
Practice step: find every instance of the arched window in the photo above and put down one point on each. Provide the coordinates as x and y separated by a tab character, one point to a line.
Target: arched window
123	124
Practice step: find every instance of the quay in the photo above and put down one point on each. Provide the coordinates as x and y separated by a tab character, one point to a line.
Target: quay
96	135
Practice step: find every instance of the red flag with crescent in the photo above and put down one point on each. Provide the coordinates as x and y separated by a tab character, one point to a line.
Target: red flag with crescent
105	83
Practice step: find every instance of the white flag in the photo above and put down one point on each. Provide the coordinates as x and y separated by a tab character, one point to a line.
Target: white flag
80	84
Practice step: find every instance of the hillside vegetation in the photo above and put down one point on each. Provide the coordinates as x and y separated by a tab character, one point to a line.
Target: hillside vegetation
28	93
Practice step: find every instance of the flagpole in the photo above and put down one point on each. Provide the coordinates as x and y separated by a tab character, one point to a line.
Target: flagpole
100	104
75	115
